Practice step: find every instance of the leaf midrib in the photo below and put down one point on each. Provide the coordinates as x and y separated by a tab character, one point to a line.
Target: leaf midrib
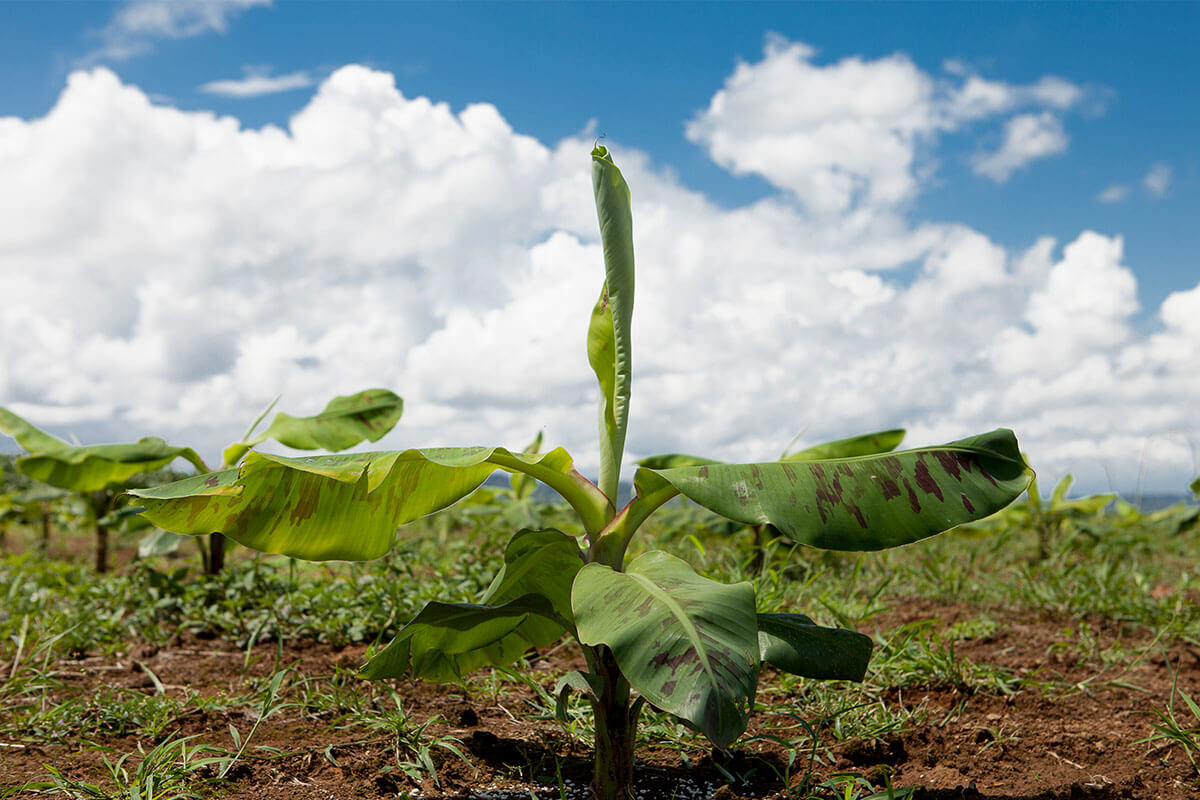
679	614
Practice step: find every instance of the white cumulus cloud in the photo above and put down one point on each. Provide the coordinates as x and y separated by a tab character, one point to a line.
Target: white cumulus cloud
174	274
857	134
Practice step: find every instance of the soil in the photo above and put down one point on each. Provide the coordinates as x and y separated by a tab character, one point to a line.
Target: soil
1053	743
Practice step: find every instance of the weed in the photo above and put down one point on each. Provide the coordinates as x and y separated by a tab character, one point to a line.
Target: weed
171	770
412	747
1174	729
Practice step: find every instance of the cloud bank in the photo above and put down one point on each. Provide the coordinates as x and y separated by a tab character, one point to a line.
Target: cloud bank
173	275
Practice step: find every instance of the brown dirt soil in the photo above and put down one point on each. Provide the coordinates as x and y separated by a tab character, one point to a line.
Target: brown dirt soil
1050	741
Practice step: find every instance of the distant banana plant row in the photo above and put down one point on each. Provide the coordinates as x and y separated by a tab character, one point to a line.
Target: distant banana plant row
100	475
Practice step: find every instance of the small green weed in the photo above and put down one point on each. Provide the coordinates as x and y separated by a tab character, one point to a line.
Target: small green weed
412	747
172	770
1175	730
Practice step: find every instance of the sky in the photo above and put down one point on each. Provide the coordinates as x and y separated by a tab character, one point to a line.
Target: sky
942	217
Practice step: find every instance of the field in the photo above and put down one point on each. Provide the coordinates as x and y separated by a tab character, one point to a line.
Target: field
1034	655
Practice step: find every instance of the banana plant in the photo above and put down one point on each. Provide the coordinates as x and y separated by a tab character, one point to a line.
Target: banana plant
652	630
34	505
1053	517
99	473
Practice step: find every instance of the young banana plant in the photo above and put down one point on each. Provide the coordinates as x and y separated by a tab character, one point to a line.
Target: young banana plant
651	628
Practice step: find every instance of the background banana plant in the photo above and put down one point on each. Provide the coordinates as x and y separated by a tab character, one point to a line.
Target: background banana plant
99	473
652	629
31	506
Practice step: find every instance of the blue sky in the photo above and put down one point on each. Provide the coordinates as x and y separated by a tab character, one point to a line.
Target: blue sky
641	69
942	216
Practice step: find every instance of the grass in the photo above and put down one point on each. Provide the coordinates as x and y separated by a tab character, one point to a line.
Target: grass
1121	589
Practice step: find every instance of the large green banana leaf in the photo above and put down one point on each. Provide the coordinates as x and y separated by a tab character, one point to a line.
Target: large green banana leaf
608	341
87	469
689	645
445	641
338	506
865	503
31	438
527	605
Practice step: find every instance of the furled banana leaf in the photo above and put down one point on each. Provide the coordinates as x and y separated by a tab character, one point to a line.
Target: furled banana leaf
608	341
